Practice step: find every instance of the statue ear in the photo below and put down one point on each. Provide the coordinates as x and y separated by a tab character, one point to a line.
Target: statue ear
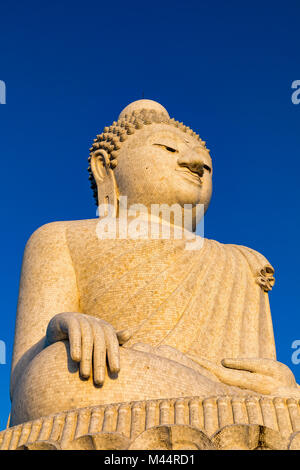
106	183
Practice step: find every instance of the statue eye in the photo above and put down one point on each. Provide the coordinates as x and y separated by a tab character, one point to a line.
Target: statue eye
206	167
169	149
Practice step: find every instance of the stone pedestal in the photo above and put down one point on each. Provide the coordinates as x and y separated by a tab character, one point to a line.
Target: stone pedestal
219	422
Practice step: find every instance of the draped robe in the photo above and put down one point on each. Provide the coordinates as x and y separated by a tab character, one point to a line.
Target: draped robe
210	303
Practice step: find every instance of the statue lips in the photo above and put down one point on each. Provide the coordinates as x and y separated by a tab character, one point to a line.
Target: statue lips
192	176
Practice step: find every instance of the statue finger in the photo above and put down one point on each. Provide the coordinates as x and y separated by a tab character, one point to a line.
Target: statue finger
74	335
231	377
87	343
209	365
123	336
258	365
99	354
112	348
247	380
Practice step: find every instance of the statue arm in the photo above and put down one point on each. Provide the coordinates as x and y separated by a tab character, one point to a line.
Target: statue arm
47	287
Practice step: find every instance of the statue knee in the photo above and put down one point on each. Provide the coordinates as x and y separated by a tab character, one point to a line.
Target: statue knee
44	382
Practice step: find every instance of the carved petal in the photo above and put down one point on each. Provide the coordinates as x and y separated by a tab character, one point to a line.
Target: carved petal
248	437
40	445
173	437
295	441
100	441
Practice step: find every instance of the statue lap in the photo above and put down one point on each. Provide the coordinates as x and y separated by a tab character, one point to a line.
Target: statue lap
53	379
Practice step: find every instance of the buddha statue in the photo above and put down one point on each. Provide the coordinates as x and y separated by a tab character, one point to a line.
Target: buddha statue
118	319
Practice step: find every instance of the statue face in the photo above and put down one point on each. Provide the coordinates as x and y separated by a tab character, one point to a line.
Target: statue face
162	164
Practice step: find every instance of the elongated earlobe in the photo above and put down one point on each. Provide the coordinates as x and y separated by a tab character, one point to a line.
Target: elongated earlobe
106	183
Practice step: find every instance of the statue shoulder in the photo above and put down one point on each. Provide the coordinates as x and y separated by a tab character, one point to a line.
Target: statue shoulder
259	265
53	232
262	270
57	231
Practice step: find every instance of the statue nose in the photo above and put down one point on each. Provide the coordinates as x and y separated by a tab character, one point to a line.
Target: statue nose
193	162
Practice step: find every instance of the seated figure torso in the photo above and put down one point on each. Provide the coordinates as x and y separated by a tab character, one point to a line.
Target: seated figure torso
179	305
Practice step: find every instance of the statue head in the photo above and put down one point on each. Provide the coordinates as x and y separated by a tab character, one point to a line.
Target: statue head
151	159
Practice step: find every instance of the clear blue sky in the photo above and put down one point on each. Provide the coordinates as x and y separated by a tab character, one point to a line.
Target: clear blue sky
223	68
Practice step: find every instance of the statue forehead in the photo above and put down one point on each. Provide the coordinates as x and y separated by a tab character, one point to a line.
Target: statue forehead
163	131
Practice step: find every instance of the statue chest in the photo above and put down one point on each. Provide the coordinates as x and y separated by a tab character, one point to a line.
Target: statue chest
118	279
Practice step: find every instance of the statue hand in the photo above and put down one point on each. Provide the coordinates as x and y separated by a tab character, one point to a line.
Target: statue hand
91	340
264	376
